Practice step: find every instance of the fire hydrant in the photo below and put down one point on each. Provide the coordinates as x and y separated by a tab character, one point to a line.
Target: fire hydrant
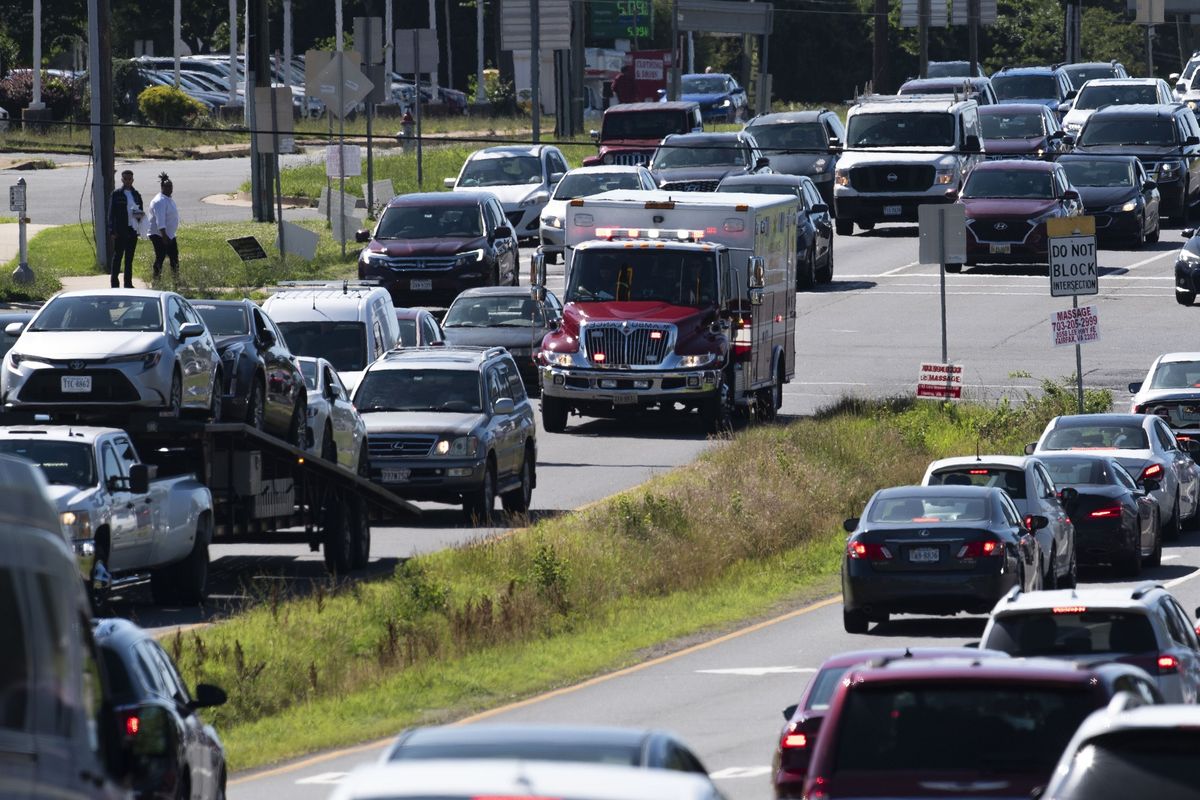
407	131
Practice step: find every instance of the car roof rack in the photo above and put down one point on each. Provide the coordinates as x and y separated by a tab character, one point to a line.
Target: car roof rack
1143	589
345	285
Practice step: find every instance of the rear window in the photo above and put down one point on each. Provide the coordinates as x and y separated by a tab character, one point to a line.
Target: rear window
1008	479
994	728
1159	763
118	677
1092	437
592	753
929	509
825	682
1068	471
1071	632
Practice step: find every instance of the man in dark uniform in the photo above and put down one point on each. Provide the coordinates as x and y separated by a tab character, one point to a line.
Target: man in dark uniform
125	212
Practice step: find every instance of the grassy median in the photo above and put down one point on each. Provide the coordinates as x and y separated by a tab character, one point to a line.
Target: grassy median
750	528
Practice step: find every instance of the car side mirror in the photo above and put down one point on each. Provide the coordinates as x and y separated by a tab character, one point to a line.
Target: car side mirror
1135	387
537	269
972	144
1174	76
1069	497
1070	194
1149	186
14	328
1035	522
362	236
208	696
555	177
1058	135
850	524
1030	448
190	330
1068	140
1071	95
538	293
1149	485
762	163
595	135
1064	107
267	338
503	232
1187	233
139	479
819	208
448	182
951	194
331	392
503	406
789	711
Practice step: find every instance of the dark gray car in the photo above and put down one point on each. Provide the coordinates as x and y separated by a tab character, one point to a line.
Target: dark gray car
802	143
501	316
696	162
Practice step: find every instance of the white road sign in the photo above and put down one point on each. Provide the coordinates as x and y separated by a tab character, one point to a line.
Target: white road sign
341	85
943	232
16	198
1075	326
1073	266
347	157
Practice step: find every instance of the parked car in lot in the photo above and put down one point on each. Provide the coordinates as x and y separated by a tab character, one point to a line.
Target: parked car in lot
452	425
419	328
1021	130
172	751
1029	485
802	143
1115	517
629	132
522	177
814	223
428	247
799	736
957	727
935	550
504	317
718	94
1102	92
113	351
581	744
1146	448
585	182
1143	625
1120	195
697	162
335	430
263	386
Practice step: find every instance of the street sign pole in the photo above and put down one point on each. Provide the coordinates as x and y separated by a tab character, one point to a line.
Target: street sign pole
278	176
341	144
17	202
942	234
942	273
1078	362
417	103
1072	252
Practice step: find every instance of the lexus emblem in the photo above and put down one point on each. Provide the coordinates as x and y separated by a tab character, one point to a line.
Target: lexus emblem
397	445
1001	226
77	364
925	532
892	177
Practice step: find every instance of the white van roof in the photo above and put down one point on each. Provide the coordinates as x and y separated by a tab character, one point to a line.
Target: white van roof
328	302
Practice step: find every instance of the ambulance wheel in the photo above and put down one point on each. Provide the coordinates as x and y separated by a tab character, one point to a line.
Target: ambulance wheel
554	414
844	227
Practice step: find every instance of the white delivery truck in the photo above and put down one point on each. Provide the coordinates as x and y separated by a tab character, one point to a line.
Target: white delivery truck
683	300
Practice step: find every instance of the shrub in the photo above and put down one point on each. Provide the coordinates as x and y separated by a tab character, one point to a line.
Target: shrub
166	105
64	97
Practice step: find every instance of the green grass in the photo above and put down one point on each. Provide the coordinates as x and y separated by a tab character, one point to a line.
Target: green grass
206	261
750	527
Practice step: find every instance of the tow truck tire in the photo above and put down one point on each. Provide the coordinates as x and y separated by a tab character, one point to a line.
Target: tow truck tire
554	414
328	446
479	504
337	533
844	227
360	538
296	432
517	500
255	413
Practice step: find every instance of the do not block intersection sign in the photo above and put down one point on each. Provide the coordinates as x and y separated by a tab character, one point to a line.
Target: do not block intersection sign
1072	244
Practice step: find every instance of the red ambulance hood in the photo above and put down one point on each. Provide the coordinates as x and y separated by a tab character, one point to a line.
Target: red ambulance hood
641	311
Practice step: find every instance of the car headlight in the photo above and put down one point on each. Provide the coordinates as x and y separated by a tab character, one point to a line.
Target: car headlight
820	164
1168	171
149	359
536	199
468	258
1072	127
552	222
561	359
77	524
370	256
841	177
701	360
460	447
726	103
1189	257
945	176
1130	206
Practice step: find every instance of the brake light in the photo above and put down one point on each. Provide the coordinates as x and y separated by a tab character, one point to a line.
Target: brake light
1069	610
1167	665
132	725
1106	513
977	472
983	549
1138	409
794	741
1152	471
869	551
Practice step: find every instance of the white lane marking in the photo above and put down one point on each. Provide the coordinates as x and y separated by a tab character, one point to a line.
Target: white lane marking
1169	558
1172	584
899	269
739	772
999	294
1040	279
325	778
757	671
1151	259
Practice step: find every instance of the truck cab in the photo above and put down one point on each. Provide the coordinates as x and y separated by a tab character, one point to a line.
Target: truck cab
630	132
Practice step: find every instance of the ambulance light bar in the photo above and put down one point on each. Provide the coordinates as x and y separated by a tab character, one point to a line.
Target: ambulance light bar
652	233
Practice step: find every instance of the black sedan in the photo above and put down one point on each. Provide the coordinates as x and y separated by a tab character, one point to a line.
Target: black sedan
1116	519
263	384
814	227
1187	268
1116	191
935	550
168	750
503	316
573	743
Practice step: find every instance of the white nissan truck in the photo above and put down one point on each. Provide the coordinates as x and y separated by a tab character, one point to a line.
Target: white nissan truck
123	525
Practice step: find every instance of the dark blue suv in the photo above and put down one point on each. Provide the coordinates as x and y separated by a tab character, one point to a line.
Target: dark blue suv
1049	86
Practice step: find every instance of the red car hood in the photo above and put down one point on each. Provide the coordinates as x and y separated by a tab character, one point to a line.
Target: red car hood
948	785
641	311
1002	207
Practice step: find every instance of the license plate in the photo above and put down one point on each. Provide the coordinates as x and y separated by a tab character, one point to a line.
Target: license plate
1001	249
421	284
396	475
625	399
893	211
77	383
923	555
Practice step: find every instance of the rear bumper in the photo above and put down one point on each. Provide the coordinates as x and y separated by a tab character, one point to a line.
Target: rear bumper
442	481
949	592
1102	542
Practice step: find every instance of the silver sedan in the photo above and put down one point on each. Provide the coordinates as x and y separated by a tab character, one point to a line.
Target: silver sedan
336	431
113	350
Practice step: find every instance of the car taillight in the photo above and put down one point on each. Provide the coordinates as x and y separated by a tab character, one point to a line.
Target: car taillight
869	551
1137	409
987	547
1151	471
1168	665
743	341
132	725
1107	512
794	741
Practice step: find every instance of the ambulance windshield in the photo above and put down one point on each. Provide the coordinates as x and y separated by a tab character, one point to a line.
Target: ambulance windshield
679	278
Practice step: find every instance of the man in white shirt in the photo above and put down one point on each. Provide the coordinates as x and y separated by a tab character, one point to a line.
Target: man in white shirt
164	224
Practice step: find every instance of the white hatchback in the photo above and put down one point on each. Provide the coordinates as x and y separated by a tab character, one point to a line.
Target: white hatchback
336	431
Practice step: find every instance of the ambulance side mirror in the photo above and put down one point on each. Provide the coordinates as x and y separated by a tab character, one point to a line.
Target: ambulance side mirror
537	269
756	297
757	277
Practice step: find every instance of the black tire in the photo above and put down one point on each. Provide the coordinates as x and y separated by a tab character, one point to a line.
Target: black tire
771	400
337	534
479	504
1139	239
256	414
554	414
1071	579
360	531
844	227
175	398
191	574
867	226
825	274
516	501
715	415
954	269
1130	565
1155	557
328	446
296	430
215	408
1050	576
1174	529
551	258
855	621
806	276
1154	235
1185	298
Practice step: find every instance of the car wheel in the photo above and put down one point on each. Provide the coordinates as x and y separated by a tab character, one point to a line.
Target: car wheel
517	500
296	435
1155	557
1174	527
1153	235
360	533
954	269
328	446
806	277
175	399
554	414
214	401
844	227
1130	565
1185	298
1050	576
1071	579
855	621
1139	238
516	274
337	534
255	411
826	274
191	574
479	504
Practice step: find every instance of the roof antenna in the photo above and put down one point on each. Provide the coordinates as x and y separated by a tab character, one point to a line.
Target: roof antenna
908	652
977	456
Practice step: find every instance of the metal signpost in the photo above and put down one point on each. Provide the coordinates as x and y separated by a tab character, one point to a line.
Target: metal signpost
341	86
943	240
1072	246
410	59
16	202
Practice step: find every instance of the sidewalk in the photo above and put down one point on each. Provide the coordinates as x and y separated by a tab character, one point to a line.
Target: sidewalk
10	245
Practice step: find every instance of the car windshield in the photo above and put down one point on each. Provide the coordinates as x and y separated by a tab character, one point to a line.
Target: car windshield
1072	630
1160	762
1069	471
934	728
1096	437
779	137
702	84
455	390
308	369
824	684
104	313
1010	479
494	311
1012	126
901	130
676	154
430	222
1128	131
342	344
501	171
1107	95
586	184
1025	87
948	69
1010	184
644	124
575	752
681	279
1176	375
929	508
1100	172
789	189
224	320
68	463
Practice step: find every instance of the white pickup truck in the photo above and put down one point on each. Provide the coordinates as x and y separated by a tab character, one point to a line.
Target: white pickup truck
123	525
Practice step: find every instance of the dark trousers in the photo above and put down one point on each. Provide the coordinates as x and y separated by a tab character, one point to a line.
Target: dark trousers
124	243
164	249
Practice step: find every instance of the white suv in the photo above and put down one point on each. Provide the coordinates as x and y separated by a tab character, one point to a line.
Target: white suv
1143	625
901	153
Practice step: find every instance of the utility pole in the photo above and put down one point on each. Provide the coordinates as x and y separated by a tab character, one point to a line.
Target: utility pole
433	76
923	7
233	40
37	104
535	66
100	87
287	47
480	88
673	84
879	76
177	37
973	13
258	75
